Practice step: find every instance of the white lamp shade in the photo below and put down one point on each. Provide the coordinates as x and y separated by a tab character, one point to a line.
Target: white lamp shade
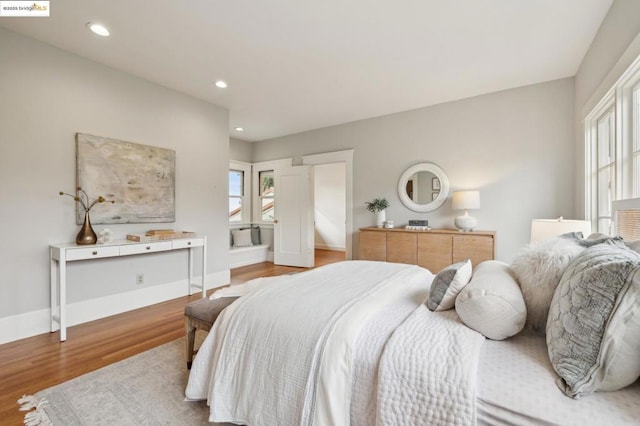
466	200
543	229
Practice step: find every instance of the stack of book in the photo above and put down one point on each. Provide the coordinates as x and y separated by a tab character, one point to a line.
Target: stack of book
159	234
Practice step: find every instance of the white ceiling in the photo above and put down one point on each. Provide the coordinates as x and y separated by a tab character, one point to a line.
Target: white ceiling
296	65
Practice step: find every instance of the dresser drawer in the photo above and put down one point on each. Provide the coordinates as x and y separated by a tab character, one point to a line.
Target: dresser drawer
402	248
145	247
91	252
432	249
187	242
476	248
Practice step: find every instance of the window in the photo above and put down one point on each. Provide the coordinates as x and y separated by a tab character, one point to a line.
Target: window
636	142
603	147
236	193
612	136
264	189
239	199
267	195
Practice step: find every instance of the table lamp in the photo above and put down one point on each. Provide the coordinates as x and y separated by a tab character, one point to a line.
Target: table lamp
542	229
466	200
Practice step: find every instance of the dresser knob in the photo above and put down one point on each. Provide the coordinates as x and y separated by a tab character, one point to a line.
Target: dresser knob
148	248
189	243
94	253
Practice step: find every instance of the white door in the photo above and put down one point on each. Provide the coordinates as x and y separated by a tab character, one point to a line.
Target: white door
293	243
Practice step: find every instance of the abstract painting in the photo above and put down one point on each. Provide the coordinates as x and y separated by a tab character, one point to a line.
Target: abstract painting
139	178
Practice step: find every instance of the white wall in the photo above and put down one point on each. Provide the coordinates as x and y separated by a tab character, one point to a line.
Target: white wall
240	150
329	201
514	146
614	48
46	96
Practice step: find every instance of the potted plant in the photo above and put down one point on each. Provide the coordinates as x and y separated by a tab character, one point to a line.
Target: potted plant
378	206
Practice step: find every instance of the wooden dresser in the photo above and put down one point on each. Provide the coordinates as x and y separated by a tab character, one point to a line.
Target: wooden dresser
432	249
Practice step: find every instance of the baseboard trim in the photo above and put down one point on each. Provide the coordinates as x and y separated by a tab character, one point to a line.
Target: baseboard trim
32	323
330	247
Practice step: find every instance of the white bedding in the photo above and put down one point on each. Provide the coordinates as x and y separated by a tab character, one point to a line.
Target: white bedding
516	386
245	350
515	381
369	346
427	373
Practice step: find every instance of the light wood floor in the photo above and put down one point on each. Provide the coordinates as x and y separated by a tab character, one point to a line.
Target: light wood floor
36	363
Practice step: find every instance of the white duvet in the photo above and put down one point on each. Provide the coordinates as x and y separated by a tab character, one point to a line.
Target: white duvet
284	353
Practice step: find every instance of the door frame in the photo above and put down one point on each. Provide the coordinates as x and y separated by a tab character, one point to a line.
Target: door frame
346	157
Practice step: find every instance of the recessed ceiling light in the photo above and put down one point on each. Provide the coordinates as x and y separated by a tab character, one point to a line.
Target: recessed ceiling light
98	29
221	84
239	129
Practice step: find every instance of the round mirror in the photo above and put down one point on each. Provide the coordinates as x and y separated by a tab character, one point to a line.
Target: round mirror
423	187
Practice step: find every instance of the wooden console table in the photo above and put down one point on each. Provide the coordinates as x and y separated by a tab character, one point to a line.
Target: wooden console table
433	249
60	254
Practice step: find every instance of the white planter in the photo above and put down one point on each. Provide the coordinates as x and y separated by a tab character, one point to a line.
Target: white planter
381	216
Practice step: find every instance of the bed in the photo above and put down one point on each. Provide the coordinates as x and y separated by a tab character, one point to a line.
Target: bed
354	343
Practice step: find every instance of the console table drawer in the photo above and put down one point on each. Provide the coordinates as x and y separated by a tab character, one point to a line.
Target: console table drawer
145	248
187	242
92	252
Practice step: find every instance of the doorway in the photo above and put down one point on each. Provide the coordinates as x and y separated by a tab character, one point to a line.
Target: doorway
330	207
345	159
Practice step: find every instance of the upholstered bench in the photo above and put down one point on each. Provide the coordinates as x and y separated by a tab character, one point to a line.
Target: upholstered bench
201	314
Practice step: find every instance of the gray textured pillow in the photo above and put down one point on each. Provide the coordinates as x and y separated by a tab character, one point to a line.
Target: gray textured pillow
634	245
593	330
447	284
594	239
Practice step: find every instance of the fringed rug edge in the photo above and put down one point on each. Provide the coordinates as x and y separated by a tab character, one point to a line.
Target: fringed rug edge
36	415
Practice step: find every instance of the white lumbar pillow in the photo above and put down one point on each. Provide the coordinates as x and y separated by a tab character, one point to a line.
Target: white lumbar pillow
492	302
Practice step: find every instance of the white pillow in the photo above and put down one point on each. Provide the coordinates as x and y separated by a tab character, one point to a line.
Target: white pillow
492	302
241	237
447	284
538	268
593	331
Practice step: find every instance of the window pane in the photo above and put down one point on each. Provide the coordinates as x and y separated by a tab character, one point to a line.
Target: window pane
605	139
267	192
236	183
635	185
636	174
235	209
267	208
604	226
605	191
636	119
266	183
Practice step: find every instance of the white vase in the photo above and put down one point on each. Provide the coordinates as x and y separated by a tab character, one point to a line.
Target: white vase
381	216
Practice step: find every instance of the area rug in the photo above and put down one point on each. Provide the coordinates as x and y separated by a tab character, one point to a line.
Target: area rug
146	389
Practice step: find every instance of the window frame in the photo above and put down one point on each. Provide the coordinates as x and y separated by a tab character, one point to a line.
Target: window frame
245	198
262	197
264	166
623	98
